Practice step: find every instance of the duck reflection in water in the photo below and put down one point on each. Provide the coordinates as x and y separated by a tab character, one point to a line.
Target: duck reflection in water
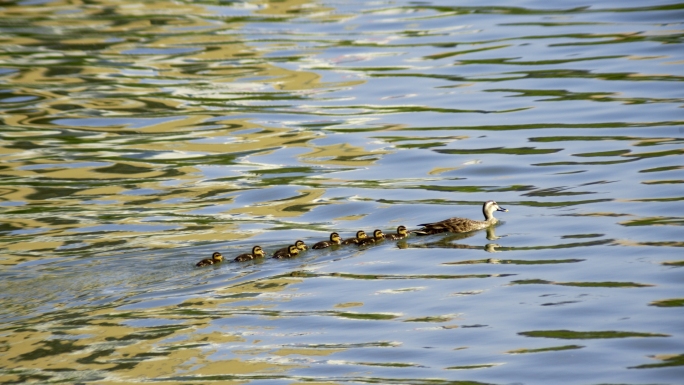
448	242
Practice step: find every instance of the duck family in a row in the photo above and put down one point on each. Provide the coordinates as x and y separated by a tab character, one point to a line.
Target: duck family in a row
454	225
293	250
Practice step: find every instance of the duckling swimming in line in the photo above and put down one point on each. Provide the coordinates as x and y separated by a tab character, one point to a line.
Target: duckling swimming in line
359	236
463	225
257	252
215	258
334	240
377	237
301	246
291	251
402	233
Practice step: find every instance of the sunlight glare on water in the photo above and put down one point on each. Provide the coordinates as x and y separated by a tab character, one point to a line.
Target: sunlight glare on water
139	138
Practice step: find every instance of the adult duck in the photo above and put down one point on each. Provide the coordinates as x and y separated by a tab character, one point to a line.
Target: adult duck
462	225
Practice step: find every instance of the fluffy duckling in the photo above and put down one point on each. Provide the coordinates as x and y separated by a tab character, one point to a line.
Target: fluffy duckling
463	225
215	258
334	240
291	251
257	252
377	237
359	236
301	246
402	233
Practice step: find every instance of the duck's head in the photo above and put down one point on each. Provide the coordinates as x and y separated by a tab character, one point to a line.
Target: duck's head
489	207
402	230
361	234
300	245
257	250
377	233
217	256
335	238
292	249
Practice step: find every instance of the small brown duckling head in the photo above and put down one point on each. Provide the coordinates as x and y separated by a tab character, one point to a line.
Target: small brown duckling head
335	238
293	250
300	245
361	234
401	230
377	233
258	251
217	256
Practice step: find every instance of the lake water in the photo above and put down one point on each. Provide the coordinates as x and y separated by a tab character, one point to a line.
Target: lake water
140	137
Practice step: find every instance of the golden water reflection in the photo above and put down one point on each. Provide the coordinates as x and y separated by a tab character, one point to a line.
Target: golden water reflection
63	158
155	343
66	182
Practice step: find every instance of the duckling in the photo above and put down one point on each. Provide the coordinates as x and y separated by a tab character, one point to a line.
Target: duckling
291	251
334	240
359	236
463	225
215	258
402	233
257	252
377	237
300	247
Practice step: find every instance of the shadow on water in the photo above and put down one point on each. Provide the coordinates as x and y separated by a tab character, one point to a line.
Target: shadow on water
138	139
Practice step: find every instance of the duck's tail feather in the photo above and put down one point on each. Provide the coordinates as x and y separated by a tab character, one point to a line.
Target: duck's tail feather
429	229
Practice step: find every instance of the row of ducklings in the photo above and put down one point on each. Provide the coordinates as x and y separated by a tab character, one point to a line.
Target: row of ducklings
360	239
453	225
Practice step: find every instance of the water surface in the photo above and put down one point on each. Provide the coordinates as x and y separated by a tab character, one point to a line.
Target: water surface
140	137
